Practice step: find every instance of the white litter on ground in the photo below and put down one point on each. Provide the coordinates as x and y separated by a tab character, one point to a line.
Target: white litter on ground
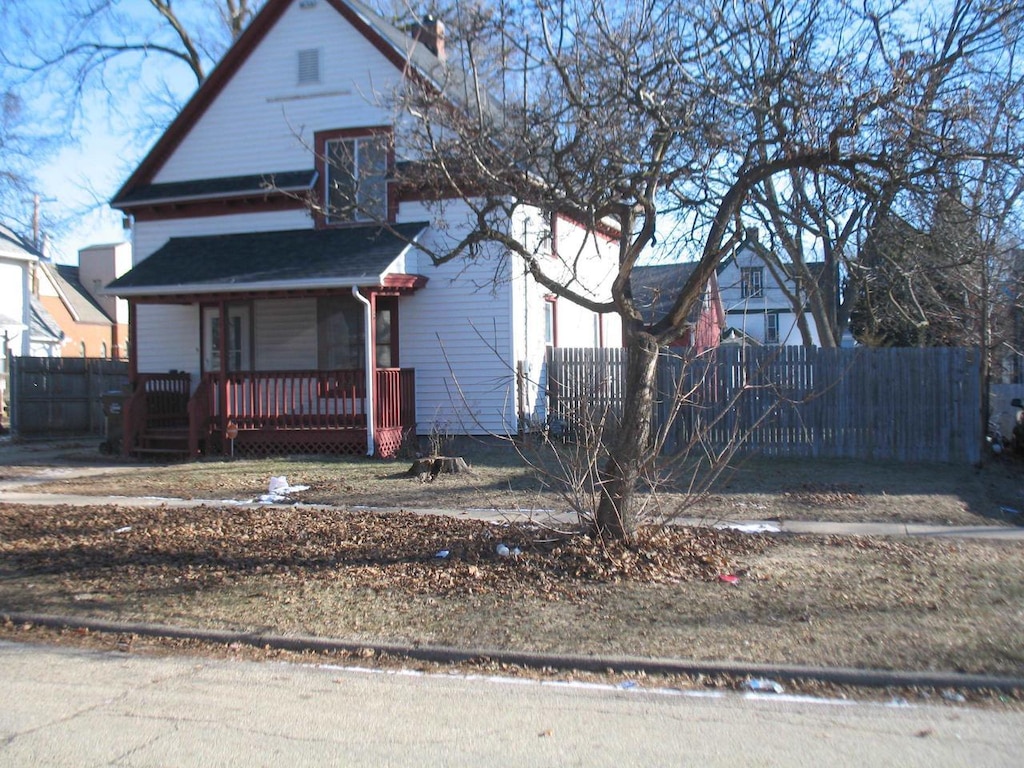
750	527
279	490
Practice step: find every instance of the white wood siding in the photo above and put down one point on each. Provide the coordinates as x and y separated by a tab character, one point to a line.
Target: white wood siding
264	120
749	313
456	332
13	297
285	334
171	334
593	262
149	236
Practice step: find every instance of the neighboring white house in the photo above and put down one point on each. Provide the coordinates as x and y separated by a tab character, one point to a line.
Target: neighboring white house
757	301
17	260
25	326
283	322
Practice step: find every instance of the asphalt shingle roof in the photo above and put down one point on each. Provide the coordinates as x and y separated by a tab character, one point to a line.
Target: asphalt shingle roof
14	246
347	255
656	288
83	305
227	186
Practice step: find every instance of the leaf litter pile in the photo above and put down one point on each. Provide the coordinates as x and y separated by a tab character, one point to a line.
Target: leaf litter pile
414	553
692	593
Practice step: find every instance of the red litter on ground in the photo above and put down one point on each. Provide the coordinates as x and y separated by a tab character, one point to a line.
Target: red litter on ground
729	578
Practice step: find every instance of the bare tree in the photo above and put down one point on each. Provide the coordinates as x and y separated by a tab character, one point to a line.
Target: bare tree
127	64
963	109
636	118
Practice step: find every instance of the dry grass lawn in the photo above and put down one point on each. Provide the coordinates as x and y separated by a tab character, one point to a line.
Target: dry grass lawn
365	576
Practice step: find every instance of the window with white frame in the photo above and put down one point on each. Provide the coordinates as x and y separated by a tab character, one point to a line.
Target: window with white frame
550	320
771	328
752	282
355	178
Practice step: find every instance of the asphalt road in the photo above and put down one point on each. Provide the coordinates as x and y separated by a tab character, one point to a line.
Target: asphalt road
85	708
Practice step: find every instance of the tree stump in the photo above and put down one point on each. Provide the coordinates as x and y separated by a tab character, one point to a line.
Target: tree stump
429	467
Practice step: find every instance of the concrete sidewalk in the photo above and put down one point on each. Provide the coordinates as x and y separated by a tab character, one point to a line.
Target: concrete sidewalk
18	490
12	495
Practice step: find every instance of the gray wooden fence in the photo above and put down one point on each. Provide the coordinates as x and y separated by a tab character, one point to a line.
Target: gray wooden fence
61	396
898	404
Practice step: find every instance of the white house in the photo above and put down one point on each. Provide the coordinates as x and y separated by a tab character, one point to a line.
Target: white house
757	299
17	261
260	326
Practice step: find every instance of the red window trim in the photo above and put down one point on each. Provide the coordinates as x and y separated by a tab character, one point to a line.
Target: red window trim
320	139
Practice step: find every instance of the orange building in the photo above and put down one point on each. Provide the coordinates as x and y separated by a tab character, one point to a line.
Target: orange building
93	325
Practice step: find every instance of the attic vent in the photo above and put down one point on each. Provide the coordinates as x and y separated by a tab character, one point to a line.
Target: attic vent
309	66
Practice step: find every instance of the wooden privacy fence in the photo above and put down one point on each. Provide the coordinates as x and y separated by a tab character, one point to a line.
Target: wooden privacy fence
899	404
60	396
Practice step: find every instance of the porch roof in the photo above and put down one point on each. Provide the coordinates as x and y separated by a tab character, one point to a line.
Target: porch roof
290	260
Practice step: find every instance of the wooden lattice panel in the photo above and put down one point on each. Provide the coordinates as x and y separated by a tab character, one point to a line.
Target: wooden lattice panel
389	441
329	442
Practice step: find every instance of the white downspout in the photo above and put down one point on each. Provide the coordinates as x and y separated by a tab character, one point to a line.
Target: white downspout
368	336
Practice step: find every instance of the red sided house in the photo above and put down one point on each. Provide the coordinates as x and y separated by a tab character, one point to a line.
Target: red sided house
655	289
260	327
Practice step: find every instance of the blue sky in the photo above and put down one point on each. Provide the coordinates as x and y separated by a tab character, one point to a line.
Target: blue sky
123	109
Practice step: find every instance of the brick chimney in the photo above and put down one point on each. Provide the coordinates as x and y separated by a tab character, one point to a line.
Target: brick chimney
430	32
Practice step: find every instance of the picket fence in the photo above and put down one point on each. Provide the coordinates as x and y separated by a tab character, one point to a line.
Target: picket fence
880	404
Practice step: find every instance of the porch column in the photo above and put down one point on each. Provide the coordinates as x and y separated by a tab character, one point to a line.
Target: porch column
133	341
370	365
222	340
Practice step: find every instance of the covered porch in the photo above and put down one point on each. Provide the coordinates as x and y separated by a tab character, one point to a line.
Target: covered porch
260	362
265	413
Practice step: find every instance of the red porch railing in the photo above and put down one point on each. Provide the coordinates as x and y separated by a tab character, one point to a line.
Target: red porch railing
288	399
276	410
395	408
158	402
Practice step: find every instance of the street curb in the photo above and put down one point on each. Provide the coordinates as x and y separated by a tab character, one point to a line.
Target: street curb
867	678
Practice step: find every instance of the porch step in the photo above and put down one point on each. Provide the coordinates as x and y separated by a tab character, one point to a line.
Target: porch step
166	441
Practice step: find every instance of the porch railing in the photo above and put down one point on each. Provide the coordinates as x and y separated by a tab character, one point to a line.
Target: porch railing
288	399
159	401
270	400
395	398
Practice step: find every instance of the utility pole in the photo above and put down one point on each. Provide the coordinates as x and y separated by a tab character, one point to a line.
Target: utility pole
37	204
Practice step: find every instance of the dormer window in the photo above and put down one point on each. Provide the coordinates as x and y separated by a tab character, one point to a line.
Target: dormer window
354	173
309	66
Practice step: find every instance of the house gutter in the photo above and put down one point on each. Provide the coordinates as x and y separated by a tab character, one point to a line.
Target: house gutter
369	364
191	289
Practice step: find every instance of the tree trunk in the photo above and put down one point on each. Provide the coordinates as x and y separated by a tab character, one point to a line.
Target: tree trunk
630	452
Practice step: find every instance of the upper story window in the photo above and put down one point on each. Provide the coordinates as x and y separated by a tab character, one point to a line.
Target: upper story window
354	166
751	282
771	328
309	66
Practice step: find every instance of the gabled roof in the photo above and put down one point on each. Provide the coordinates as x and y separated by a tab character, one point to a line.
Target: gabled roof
14	246
42	328
751	243
80	303
288	260
655	288
397	46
